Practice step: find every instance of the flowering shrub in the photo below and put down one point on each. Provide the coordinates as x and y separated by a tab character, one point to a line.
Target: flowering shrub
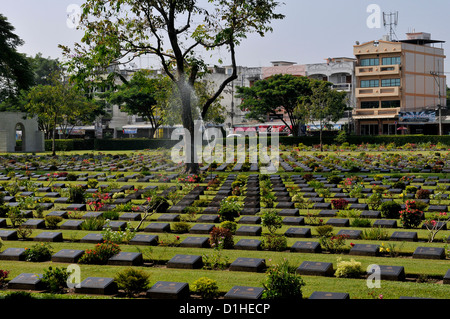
411	217
340	203
100	254
3	275
435	224
99	201
118	236
423	194
334	243
221	237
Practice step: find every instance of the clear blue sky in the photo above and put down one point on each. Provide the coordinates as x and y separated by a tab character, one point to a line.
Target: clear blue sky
311	32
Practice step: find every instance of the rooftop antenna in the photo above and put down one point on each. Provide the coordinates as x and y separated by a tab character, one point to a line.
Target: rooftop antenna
391	20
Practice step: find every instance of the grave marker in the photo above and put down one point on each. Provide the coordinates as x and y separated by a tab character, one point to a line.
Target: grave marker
248	264
306	247
126	259
185	262
169	290
17	254
311	268
97	286
243	292
27	281
248	244
67	256
429	253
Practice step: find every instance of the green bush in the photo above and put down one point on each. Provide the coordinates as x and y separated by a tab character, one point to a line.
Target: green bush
282	282
324	230
180	227
111	215
229	209
232	226
93	223
348	269
39	252
274	242
55	279
272	220
77	195
390	209
376	233
133	281
361	222
52	221
206	287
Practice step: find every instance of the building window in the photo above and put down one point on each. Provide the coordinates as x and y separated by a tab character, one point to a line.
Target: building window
390	104
390	82
370	105
370	62
370	83
370	129
392	60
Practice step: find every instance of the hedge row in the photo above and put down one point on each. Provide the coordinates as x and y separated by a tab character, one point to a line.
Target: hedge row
108	144
140	144
398	140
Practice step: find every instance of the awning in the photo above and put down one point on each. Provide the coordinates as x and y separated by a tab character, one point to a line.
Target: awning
374	117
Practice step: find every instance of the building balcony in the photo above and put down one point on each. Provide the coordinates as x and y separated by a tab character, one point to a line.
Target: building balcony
393	91
346	87
377	70
360	114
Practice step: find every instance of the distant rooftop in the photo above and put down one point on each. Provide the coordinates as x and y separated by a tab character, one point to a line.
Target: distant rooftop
282	63
420	38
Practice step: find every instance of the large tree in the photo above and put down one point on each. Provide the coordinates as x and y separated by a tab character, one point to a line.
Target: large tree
15	70
177	32
144	96
59	104
43	68
280	93
325	105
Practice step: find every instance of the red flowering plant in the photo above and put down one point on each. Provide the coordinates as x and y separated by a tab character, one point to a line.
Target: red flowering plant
3	275
99	200
100	254
411	217
340	203
436	223
334	243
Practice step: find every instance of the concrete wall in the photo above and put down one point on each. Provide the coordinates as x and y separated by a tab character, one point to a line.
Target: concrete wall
32	140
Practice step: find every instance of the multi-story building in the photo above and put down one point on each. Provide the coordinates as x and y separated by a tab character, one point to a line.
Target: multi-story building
338	71
400	85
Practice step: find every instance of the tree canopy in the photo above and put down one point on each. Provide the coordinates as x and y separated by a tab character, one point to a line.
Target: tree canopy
324	105
59	104
15	70
143	96
279	93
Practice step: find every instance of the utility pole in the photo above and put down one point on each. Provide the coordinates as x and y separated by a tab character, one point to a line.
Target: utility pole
438	82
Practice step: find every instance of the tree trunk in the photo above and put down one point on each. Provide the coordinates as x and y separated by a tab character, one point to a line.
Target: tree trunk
53	142
191	165
321	143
